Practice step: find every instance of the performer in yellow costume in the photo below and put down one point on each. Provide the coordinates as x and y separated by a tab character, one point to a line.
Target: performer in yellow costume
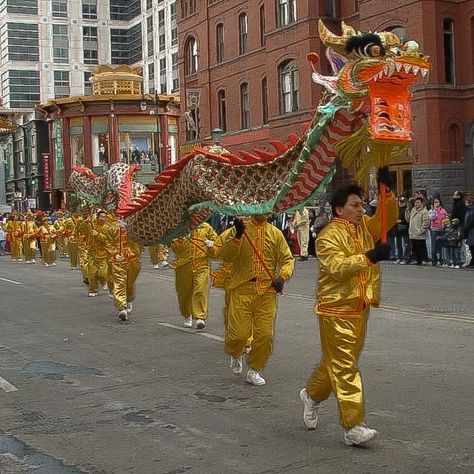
13	228
62	241
82	235
192	274
252	290
47	233
69	229
97	269
348	284
124	254
29	231
159	255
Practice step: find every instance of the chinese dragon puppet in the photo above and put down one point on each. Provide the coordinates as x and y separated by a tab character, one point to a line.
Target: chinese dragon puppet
363	118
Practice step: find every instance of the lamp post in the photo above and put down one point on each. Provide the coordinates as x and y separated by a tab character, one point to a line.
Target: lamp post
159	164
216	135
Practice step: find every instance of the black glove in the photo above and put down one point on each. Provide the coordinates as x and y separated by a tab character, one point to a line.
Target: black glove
379	252
278	284
239	228
384	177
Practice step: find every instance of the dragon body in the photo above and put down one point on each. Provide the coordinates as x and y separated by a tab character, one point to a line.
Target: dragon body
364	113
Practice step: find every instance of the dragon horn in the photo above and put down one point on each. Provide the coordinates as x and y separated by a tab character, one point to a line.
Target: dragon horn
337	43
348	30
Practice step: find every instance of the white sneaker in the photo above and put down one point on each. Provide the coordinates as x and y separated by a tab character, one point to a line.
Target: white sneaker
110	294
105	287
236	364
129	308
91	294
157	266
164	264
123	315
200	324
46	264
358	435
188	322
310	410
33	261
53	264
255	378
456	266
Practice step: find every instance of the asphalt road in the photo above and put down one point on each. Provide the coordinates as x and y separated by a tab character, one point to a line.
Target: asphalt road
82	393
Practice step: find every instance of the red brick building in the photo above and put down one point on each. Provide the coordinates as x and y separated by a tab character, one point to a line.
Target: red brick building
244	70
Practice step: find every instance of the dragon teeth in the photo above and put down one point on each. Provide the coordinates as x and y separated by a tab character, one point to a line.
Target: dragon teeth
415	70
398	66
424	72
407	68
385	70
391	69
380	74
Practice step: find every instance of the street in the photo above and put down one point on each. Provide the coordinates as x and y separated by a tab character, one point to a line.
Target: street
81	392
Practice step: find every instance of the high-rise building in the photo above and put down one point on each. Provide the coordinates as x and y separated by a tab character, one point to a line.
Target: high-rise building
48	51
49	48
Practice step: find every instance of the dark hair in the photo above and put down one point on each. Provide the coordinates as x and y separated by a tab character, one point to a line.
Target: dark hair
419	198
341	196
439	199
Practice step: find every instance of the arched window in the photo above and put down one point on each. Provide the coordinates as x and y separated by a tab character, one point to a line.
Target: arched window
243	33
219	43
264	101
222	110
289	86
286	12
244	106
448	42
262	25
191	49
454	143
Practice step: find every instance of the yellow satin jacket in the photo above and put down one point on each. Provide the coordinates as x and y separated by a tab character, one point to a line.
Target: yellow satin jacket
192	249
118	242
348	281
246	266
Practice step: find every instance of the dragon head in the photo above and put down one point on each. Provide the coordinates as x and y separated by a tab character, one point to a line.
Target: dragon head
375	72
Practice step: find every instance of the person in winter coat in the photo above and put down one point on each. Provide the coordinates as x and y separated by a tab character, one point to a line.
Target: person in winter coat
437	215
418	225
468	227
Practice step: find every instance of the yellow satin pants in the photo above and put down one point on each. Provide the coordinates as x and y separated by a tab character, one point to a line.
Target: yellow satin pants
124	275
15	249
342	341
158	253
48	252
192	288
73	253
84	259
97	273
29	249
250	316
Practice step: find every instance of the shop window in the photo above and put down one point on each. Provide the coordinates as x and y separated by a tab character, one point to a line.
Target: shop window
77	150
138	148
100	149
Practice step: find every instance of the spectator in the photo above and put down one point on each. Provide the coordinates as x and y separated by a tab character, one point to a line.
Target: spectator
401	233
454	242
311	234
437	215
418	225
468	228
301	226
3	240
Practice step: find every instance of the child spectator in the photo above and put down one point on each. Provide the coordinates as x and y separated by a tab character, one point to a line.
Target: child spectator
453	242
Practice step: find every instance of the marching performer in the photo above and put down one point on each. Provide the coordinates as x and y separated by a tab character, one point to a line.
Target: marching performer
62	239
13	229
97	266
69	229
348	284
29	231
47	234
192	274
124	255
261	263
301	226
82	236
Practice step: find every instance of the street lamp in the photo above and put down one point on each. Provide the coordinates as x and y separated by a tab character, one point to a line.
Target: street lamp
216	135
159	164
